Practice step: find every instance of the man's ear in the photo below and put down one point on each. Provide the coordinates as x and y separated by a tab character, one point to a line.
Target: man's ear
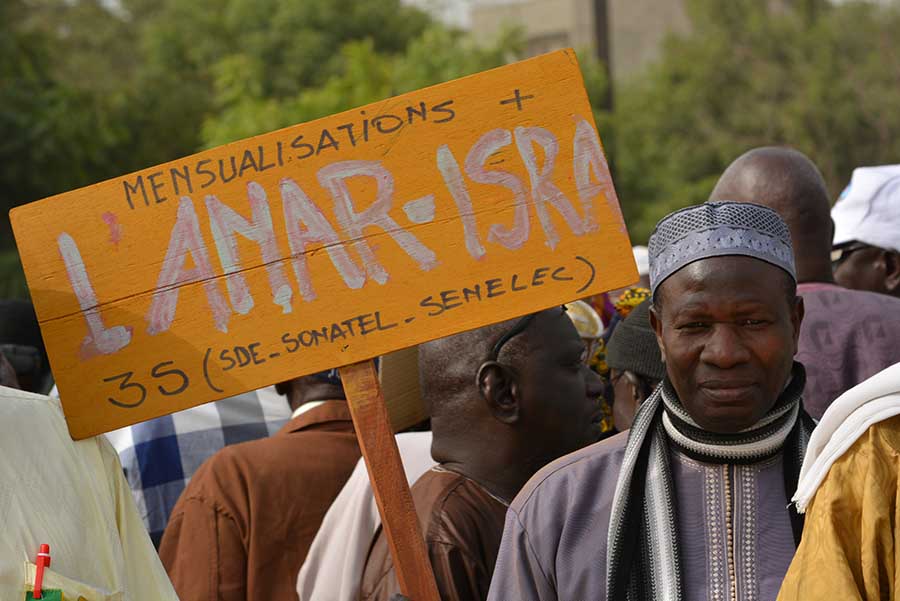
500	391
799	310
892	271
656	324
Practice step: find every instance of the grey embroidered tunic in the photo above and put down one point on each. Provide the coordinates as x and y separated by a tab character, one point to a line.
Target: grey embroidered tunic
734	532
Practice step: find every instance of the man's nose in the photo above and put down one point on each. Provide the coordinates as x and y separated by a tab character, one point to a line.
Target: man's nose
594	382
724	347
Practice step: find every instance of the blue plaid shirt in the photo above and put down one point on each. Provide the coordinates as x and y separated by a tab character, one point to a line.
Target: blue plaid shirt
160	455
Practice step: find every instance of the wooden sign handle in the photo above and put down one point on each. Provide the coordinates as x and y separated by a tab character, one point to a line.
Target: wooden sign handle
379	449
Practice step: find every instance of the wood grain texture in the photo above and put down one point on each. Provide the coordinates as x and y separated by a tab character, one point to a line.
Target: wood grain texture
399	374
398	514
324	244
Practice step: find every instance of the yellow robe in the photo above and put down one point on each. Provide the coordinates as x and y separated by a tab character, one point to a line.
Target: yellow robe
849	541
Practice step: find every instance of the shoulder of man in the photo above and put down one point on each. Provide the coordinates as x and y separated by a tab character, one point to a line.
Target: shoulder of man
462	511
436	492
890	304
262	453
22	414
226	477
576	475
886	433
857	299
14	401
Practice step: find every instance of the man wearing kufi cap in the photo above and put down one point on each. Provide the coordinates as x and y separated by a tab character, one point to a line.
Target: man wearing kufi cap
243	525
847	335
867	231
692	502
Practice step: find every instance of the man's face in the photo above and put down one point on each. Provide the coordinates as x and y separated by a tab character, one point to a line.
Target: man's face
728	336
859	268
559	394
628	394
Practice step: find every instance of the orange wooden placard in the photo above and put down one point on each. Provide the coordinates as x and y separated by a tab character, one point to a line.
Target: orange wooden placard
323	244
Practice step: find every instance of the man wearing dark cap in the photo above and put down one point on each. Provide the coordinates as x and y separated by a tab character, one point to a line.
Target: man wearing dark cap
504	401
242	527
691	503
635	364
847	335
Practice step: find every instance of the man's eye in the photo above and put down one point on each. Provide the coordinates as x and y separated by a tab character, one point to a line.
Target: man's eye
753	322
694	325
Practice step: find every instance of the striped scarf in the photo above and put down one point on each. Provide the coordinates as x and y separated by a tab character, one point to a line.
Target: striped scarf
647	565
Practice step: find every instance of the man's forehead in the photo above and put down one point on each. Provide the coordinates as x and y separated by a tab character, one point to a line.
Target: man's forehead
727	279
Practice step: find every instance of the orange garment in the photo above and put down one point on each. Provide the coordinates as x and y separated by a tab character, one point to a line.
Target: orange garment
243	526
848	550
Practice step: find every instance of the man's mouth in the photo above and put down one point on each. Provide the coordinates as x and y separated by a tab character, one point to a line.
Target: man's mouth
728	391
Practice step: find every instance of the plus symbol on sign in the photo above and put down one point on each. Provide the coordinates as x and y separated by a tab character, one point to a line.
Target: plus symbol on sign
517	98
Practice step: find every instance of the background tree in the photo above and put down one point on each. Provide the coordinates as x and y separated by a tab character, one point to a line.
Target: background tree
818	76
91	89
359	74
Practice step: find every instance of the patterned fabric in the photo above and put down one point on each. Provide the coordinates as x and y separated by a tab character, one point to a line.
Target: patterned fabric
554	544
630	299
849	548
846	337
717	229
160	455
648	566
850	416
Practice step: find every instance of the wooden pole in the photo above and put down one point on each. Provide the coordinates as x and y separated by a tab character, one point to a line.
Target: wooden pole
379	449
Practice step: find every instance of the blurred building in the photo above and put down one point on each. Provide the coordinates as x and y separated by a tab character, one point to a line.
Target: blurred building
631	31
455	13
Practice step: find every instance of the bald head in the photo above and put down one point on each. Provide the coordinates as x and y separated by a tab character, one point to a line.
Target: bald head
787	182
448	366
501	414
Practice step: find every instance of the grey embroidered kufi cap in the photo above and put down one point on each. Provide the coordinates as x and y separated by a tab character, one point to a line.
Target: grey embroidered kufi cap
716	229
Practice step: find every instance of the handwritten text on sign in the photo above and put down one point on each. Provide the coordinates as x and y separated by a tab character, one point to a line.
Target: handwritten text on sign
324	244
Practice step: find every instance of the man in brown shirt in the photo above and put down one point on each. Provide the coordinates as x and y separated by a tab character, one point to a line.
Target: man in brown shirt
504	400
241	529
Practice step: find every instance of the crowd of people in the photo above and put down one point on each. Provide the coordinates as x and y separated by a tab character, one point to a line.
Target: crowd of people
727	429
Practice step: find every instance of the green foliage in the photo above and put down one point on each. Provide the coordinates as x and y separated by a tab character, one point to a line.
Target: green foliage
91	89
61	121
12	278
361	74
197	55
819	77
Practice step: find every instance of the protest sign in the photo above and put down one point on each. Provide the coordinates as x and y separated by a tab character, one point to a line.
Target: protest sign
323	245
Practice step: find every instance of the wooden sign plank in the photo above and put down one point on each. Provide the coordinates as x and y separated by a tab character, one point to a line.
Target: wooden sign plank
392	494
323	244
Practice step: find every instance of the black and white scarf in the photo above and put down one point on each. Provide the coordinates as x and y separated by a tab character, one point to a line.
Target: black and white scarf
642	551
